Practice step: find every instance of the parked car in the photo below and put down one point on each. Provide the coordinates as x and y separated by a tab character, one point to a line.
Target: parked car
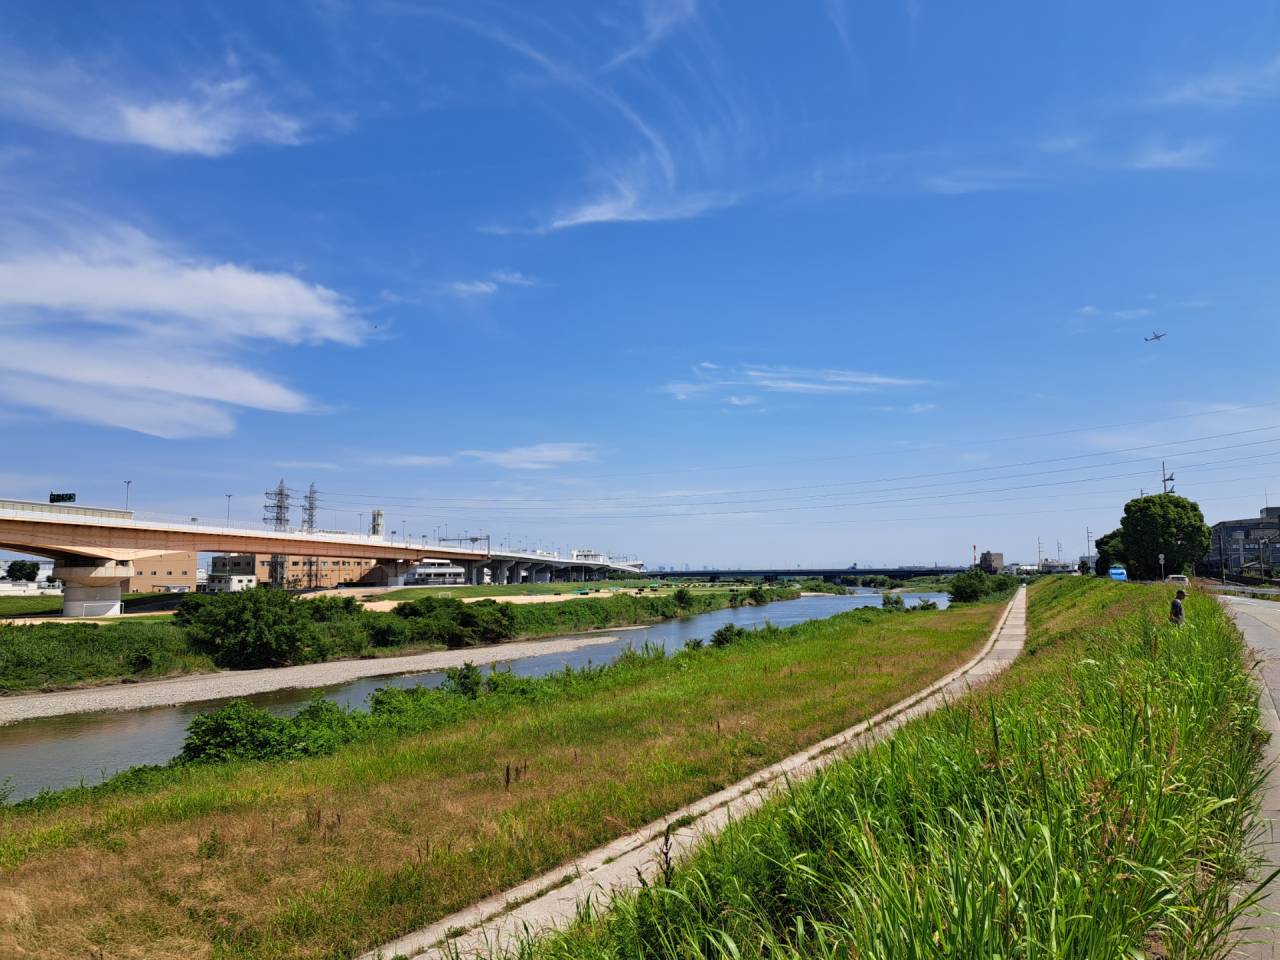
1179	579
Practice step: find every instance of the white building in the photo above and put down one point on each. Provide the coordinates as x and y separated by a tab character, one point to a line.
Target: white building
230	582
434	572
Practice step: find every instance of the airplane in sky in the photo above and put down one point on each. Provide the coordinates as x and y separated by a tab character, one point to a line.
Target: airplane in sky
1154	337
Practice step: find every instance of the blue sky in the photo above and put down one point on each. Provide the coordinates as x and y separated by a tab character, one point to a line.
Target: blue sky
703	282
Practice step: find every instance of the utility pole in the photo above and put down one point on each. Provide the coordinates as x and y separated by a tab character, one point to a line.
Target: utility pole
1039	552
228	496
126	493
1166	478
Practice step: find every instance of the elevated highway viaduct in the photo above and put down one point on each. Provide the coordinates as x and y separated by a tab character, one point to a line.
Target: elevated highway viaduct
94	548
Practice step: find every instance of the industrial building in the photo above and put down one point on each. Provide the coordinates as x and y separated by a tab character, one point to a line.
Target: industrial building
164	573
300	573
1246	546
991	562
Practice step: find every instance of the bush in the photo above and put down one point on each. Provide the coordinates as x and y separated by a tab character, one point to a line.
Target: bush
449	621
254	628
728	634
974	584
892	601
683	598
926	605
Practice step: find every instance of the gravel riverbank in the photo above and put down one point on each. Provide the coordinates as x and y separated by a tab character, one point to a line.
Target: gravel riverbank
240	683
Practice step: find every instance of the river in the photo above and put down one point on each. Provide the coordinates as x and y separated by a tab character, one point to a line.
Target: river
54	752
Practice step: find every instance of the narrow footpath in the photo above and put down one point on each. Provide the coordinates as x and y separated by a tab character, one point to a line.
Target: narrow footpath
535	907
242	683
1259	621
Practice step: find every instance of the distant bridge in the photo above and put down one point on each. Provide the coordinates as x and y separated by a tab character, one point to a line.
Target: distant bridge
822	573
93	549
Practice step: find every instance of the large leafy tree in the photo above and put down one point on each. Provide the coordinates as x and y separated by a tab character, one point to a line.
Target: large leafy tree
1110	547
1163	523
22	570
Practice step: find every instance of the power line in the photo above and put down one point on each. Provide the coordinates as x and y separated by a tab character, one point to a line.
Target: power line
847	483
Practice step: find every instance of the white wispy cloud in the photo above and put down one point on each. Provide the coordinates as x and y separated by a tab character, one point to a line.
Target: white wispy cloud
117	275
658	19
743	385
496	280
101	323
627	202
1228	88
206	117
537	456
1162	155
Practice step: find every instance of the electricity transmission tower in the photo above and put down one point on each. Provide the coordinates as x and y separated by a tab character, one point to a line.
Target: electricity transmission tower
309	503
275	514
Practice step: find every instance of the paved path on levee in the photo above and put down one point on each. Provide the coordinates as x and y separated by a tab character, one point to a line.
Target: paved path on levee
1259	621
547	902
242	683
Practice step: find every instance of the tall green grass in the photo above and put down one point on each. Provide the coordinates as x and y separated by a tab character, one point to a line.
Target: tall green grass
1094	803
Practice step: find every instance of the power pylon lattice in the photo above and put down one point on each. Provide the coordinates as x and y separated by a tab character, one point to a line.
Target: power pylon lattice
276	515
310	506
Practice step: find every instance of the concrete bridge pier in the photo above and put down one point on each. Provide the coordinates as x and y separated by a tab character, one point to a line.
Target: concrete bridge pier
501	571
475	571
394	572
518	572
92	588
540	573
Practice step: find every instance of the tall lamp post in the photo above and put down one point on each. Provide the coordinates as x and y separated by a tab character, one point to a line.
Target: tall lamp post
228	496
127	484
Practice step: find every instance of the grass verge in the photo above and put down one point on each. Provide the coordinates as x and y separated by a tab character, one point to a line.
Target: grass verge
329	856
1094	802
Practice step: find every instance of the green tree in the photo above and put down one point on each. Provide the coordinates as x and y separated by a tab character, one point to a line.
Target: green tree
23	570
1110	547
1163	523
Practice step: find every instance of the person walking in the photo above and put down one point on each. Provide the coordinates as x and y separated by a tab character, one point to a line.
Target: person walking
1178	616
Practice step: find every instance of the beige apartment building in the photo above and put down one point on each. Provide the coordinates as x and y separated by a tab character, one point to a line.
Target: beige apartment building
166	573
300	573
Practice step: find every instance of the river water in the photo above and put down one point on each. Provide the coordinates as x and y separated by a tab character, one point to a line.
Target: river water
54	752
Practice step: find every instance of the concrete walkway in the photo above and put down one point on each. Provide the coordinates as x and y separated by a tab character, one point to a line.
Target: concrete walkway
1259	621
544	903
242	683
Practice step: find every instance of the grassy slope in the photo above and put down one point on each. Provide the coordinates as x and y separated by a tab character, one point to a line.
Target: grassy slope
1091	803
325	857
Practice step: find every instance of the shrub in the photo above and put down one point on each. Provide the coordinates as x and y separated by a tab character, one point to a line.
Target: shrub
974	584
683	598
892	601
236	730
466	680
926	605
728	634
254	628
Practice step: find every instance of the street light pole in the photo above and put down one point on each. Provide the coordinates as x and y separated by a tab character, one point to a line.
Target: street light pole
228	496
126	493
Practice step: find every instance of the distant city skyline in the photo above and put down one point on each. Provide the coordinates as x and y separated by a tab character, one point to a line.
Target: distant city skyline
706	284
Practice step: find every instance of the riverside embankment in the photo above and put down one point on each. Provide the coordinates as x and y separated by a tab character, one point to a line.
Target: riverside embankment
331	854
61	739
